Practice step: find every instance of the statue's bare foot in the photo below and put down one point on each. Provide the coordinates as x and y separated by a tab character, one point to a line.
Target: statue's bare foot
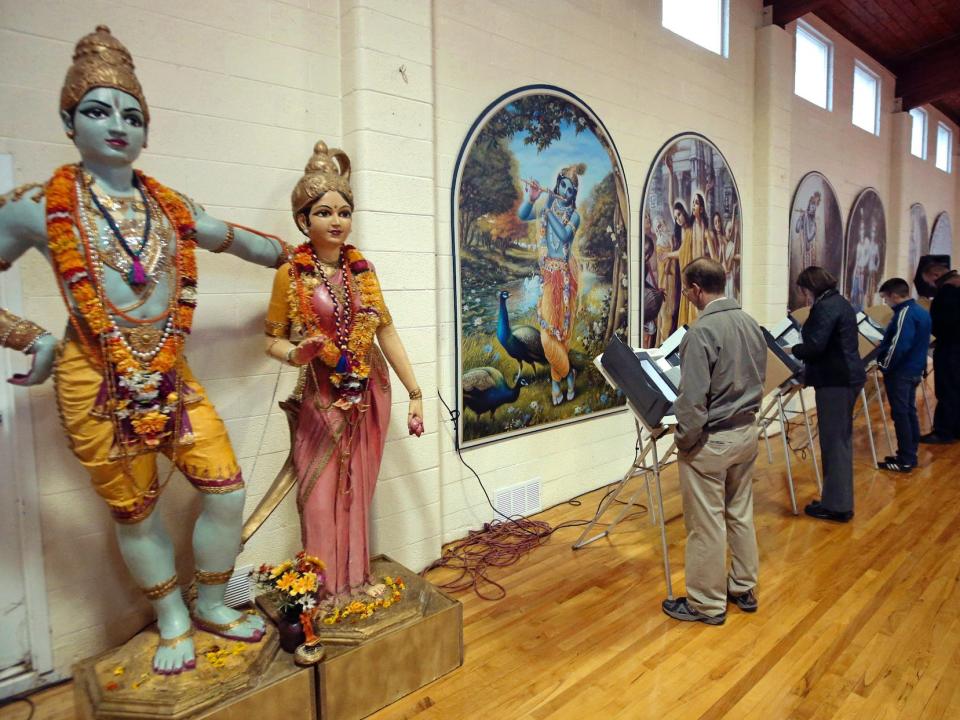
229	623
377	590
175	652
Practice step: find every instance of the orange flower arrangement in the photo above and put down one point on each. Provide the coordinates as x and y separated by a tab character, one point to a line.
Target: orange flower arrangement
363	324
73	259
299	583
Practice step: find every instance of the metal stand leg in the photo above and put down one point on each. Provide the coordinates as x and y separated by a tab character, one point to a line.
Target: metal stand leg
786	454
926	400
883	411
663	523
813	452
764	424
866	413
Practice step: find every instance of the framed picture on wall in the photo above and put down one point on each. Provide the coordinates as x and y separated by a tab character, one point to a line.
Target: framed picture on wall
866	249
691	208
540	246
815	232
941	239
919	237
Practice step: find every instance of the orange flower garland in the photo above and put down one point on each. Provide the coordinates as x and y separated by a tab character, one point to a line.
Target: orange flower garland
364	323
77	274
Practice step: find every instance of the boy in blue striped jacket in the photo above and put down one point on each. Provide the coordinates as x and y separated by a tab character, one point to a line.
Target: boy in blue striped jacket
902	359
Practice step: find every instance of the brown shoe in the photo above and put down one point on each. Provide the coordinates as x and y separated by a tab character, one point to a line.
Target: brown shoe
745	601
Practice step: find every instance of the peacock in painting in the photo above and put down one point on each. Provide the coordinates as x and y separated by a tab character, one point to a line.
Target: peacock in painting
485	389
522	342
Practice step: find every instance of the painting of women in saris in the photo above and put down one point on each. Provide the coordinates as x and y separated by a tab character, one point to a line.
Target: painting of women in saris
540	242
866	249
691	208
816	232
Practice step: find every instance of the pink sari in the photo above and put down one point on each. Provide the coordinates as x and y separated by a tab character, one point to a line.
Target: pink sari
337	456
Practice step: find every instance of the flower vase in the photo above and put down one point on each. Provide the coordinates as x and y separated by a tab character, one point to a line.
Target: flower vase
291	633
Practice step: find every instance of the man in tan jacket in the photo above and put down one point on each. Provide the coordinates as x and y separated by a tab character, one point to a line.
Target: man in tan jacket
722	368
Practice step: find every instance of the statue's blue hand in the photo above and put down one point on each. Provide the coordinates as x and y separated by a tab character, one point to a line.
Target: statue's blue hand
44	353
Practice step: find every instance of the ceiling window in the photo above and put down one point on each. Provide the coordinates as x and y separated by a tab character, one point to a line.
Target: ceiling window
918	133
701	21
866	99
944	147
813	73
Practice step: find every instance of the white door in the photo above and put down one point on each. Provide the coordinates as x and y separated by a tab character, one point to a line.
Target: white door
24	627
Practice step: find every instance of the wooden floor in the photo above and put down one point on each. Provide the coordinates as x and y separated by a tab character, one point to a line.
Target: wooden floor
856	621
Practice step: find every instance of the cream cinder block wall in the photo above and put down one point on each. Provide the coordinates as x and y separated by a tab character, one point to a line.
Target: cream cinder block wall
239	91
646	84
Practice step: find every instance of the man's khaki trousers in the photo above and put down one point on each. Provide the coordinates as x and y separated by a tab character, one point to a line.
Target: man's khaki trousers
715	483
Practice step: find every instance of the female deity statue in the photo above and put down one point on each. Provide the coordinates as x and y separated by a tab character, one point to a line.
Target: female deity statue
325	311
122	247
559	273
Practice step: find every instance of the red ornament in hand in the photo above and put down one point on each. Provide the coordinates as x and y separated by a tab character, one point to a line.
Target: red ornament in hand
415	425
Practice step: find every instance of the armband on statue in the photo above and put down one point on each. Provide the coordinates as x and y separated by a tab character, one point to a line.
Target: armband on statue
17	333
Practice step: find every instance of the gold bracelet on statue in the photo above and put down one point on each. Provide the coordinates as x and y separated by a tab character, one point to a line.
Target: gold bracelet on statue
160	590
416	394
290	353
205	577
33	342
227	241
17	333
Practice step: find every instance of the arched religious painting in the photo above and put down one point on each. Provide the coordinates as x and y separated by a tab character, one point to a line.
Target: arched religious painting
539	209
691	208
919	238
816	232
941	239
866	249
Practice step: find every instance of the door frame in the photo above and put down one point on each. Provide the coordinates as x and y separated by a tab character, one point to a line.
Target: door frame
16	442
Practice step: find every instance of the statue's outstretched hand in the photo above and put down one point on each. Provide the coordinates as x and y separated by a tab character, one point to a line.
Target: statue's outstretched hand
415	417
44	353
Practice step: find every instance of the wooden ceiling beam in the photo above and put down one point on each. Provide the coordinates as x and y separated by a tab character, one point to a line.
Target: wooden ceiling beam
928	74
786	11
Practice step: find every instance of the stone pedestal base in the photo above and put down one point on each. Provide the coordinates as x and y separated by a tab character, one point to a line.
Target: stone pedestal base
120	683
356	680
366	668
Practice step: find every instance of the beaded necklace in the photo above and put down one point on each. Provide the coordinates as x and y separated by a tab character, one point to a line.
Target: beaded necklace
346	351
137	276
342	310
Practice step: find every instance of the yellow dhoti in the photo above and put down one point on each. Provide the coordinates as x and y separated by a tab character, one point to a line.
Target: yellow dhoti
127	478
557	312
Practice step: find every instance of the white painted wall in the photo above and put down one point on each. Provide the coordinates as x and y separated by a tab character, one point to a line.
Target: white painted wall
239	93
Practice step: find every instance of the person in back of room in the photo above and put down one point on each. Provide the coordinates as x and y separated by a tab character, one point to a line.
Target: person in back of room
945	324
834	369
723	365
902	360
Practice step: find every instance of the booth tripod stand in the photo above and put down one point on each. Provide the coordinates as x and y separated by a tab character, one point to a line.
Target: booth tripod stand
782	396
651	475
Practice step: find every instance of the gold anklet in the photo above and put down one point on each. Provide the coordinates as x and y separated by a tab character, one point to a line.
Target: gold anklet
161	590
204	577
210	626
172	642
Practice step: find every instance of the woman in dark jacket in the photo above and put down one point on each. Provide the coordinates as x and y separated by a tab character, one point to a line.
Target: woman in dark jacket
830	352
